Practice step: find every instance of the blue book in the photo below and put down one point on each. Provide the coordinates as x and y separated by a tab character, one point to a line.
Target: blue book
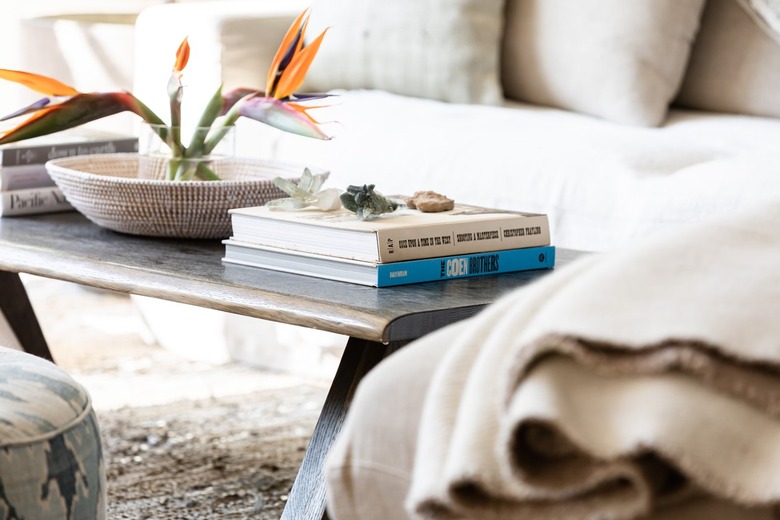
388	274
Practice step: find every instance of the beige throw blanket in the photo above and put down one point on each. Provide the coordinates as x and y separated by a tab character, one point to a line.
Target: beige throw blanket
619	385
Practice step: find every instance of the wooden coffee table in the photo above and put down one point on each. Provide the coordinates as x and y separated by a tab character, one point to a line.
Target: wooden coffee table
68	247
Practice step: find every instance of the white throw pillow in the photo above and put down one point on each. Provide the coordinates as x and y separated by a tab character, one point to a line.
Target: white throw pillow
734	66
446	50
622	60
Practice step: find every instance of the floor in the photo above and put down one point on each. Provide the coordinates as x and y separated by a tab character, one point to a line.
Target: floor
183	438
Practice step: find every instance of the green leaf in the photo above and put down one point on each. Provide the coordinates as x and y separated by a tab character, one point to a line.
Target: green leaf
207	118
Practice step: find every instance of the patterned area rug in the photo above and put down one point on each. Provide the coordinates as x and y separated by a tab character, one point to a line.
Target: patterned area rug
183	439
229	457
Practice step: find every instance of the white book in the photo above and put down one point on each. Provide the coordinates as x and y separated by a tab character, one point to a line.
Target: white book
32	201
403	235
78	141
24	176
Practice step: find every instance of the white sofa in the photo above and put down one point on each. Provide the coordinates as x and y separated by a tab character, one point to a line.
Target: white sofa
634	123
643	116
618	119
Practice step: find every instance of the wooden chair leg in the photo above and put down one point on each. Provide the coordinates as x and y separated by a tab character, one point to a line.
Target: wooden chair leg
17	309
307	496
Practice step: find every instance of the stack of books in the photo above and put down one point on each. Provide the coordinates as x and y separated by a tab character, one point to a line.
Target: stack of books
26	187
407	246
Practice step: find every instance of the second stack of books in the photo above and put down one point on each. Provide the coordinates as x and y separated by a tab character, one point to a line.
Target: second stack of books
26	187
406	247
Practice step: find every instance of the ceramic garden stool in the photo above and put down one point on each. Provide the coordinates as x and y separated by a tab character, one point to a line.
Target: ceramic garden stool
51	462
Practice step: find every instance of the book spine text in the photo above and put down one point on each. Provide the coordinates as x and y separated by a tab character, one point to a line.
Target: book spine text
39	154
443	240
464	266
33	201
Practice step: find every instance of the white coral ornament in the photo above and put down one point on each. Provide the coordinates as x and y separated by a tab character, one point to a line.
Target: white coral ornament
306	193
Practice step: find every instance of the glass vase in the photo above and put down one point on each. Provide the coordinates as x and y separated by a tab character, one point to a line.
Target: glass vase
178	154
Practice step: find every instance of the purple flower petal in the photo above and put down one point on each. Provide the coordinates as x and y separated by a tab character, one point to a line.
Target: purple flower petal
279	115
26	110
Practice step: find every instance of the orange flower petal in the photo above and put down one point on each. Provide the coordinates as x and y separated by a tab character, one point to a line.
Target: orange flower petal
43	84
298	26
182	56
293	76
19	132
302	110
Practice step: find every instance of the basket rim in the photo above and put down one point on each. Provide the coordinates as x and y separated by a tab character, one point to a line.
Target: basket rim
70	166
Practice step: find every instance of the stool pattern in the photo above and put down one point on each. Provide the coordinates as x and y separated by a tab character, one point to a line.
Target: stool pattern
51	460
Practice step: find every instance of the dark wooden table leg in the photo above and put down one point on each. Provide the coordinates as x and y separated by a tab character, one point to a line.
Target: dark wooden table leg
307	496
17	309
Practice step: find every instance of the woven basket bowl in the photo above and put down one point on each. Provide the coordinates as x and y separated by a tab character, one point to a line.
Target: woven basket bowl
106	189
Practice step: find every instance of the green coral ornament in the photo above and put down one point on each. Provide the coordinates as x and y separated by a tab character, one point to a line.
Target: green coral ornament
367	203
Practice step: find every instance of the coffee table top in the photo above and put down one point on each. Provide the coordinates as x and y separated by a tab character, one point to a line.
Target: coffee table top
66	246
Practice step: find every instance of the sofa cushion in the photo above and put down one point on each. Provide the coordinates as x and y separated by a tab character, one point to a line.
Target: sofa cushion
446	50
734	65
766	14
622	61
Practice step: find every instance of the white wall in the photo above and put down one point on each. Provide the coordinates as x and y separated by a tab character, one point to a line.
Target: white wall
15	10
26	46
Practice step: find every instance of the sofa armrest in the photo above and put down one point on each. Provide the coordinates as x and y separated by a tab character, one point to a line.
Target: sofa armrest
232	42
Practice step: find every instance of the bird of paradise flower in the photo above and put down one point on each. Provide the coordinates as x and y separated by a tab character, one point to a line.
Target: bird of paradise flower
65	107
